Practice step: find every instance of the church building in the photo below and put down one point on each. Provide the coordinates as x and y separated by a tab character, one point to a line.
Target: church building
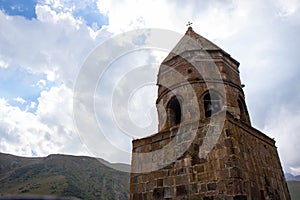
206	147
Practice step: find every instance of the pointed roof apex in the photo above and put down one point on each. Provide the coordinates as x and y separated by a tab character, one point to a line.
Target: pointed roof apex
193	41
190	29
202	42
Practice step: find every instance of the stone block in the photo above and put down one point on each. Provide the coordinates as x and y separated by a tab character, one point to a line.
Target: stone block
194	188
145	178
167	192
199	168
208	198
159	182
155	146
228	142
235	172
158	193
137	196
203	188
150	185
168	181
140	188
240	197
134	179
183	179
229	132
230	150
212	186
202	161
181	190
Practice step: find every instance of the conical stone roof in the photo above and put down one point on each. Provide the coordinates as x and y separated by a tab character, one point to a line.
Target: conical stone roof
192	41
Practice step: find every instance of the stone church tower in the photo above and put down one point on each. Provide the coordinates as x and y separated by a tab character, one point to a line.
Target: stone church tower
206	147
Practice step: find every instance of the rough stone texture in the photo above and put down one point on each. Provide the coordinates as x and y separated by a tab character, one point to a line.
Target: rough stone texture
209	158
248	168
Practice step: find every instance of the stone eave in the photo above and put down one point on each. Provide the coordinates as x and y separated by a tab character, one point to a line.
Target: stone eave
168	133
172	55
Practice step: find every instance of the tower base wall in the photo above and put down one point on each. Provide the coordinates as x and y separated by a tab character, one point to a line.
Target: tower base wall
242	163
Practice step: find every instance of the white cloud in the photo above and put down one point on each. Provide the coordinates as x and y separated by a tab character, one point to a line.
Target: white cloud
49	130
287	7
46	14
128	15
54	44
19	100
32	105
214	19
283	125
17	134
3	64
41	83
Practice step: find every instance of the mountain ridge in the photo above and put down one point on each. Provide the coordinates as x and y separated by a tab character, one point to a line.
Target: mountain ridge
291	177
59	175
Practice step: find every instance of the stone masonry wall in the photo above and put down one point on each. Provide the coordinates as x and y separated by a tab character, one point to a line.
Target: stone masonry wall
242	164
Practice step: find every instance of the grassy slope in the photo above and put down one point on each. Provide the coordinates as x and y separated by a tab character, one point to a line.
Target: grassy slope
294	188
61	175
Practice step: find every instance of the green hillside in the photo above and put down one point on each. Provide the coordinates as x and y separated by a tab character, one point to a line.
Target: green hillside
61	176
78	177
294	188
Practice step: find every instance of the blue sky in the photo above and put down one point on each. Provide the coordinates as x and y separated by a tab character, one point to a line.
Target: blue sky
86	10
19	83
25	8
43	45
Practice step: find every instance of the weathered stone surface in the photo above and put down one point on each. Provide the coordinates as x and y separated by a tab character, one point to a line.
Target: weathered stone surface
137	196
212	186
182	190
158	193
168	181
240	197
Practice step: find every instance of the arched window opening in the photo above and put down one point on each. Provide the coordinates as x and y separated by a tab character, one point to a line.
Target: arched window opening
174	112
243	112
212	104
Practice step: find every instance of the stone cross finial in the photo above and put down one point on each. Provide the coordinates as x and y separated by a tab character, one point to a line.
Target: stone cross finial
189	24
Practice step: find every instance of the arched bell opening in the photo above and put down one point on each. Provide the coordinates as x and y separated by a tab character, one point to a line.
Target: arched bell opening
174	111
212	103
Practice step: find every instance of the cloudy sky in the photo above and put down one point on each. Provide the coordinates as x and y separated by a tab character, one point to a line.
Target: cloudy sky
45	43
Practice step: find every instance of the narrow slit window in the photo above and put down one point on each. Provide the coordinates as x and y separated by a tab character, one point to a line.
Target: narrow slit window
212	104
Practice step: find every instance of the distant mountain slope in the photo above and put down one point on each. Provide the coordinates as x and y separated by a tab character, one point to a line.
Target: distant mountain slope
294	188
61	176
291	177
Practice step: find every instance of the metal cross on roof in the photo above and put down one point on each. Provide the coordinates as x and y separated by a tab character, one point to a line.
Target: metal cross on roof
189	24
